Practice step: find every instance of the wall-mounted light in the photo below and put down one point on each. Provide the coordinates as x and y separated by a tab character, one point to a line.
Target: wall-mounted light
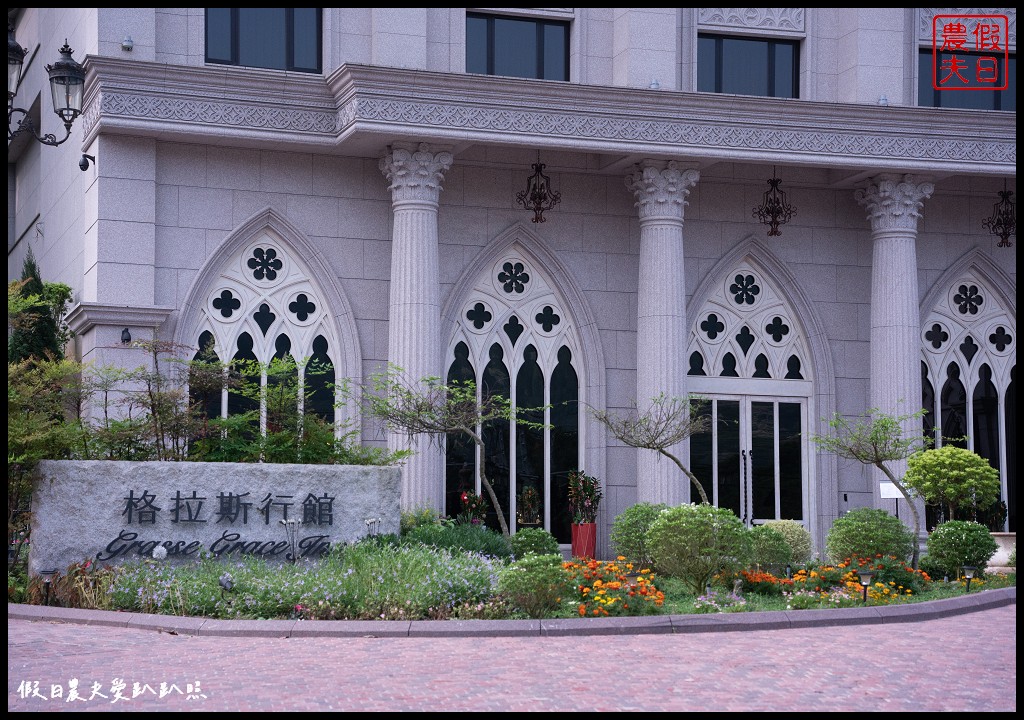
127	43
775	209
83	164
67	85
538	195
1003	221
126	337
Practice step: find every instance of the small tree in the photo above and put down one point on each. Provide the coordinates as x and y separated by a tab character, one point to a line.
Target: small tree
954	477
434	409
878	439
36	320
667	422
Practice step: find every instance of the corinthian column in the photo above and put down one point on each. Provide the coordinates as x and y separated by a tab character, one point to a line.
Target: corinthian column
894	204
414	317
660	189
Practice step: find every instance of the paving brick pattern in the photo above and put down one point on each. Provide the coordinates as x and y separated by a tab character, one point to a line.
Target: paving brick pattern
957	663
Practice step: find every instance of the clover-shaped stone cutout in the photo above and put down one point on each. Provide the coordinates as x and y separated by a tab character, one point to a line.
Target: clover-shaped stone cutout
1000	338
513	328
696	364
712	326
227	303
969	348
513	277
777	329
547	318
968	299
265	264
302	306
744	289
264	317
936	336
745	338
478	315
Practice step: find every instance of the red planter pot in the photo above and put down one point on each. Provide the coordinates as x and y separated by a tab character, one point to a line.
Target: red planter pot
584	540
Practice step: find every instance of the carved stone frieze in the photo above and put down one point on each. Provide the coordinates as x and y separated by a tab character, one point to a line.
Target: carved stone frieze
752	18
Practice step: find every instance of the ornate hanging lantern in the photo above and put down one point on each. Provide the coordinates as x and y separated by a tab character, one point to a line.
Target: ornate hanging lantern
1003	221
538	195
775	209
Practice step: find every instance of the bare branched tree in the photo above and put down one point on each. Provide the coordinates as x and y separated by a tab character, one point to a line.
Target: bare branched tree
429	407
666	422
877	439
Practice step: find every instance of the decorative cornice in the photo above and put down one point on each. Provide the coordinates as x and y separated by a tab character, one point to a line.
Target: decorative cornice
927	15
415	174
786	19
84	316
369	107
661	188
894	202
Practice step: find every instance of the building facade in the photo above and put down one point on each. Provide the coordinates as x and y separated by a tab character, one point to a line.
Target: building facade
344	184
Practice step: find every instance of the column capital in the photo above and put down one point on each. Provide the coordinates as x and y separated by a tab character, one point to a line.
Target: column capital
894	202
415	173
661	188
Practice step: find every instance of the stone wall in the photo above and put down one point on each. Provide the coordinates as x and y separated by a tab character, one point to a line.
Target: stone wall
113	512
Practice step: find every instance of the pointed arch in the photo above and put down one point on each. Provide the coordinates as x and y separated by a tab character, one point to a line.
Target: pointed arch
266	278
787	332
518	295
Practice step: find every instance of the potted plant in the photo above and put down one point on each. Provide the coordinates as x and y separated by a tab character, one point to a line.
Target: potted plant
528	507
584	500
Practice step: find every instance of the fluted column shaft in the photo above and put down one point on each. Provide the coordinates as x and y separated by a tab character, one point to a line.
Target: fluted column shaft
414	316
660	189
893	205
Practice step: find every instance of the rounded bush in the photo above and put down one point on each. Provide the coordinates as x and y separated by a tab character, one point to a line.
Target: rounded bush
769	550
696	542
466	538
629	532
535	584
956	543
534	540
867	533
797	537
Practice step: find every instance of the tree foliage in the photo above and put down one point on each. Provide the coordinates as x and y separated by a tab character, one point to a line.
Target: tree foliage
954	477
879	439
35	316
666	422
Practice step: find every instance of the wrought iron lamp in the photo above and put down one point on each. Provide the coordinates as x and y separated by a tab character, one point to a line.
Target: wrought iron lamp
67	85
775	209
126	337
538	195
1003	221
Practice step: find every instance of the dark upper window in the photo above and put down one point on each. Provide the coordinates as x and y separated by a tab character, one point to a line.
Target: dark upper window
748	66
517	47
274	38
940	68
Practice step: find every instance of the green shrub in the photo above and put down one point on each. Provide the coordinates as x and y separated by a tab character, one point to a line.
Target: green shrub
461	537
411	519
952	477
696	542
956	543
1012	562
769	550
534	540
866	533
797	537
629	532
535	584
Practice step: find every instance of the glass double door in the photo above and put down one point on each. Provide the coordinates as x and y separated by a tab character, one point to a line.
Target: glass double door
752	458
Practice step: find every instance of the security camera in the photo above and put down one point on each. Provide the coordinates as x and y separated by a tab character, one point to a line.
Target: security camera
83	164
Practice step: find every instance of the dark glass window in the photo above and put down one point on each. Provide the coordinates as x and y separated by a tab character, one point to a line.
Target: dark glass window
517	47
748	66
274	38
940	65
